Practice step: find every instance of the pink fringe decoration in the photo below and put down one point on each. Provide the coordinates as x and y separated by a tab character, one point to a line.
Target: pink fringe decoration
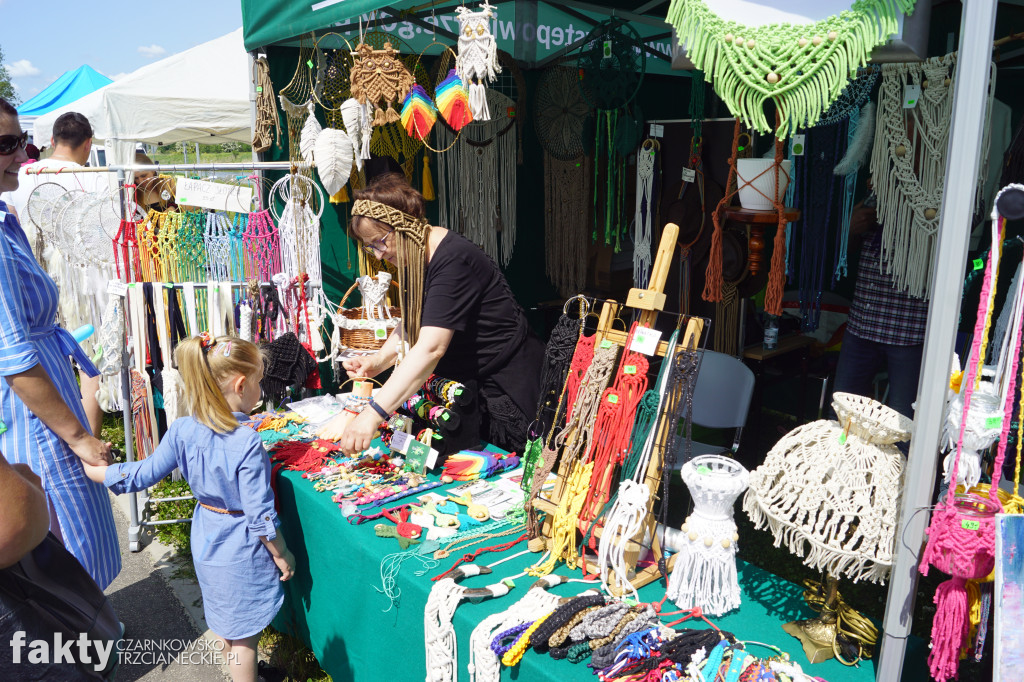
949	629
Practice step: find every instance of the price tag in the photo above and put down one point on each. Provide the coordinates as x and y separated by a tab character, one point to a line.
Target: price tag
689	175
629	369
911	93
993	422
356	385
380	333
842	438
970	525
458	391
703	470
797	145
259	88
657	130
445	416
978	264
309	63
606	343
116	287
645	341
607	49
613	399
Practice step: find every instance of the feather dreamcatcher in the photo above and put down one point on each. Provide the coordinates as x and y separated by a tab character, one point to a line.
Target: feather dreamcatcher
378	75
477	61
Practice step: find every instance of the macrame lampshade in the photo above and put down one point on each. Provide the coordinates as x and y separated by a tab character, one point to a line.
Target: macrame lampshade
830	490
704	574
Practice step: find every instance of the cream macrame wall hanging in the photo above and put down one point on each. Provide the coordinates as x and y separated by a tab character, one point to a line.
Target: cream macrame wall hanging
477	61
803	68
908	165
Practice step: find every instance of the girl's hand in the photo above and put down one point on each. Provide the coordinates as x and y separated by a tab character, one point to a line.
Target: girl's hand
286	564
95	473
362	366
360	432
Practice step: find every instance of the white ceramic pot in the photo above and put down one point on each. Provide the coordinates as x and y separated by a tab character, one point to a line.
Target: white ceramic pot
756	181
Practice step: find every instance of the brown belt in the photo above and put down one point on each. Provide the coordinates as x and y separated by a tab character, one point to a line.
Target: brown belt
219	510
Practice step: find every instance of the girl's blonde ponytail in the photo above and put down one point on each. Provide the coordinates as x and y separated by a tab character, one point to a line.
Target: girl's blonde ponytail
205	373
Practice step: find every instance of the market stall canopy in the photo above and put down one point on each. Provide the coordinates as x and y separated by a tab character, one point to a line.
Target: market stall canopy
200	94
70	87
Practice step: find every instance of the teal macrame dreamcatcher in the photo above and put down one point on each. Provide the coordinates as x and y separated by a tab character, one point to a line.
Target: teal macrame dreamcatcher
611	68
803	68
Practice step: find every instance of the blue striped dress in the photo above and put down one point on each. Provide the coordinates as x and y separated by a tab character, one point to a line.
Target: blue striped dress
29	336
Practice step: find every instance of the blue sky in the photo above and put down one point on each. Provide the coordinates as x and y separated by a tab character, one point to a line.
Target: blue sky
42	39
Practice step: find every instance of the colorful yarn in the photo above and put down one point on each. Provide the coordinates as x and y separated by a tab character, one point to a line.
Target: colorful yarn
470	465
418	113
453	101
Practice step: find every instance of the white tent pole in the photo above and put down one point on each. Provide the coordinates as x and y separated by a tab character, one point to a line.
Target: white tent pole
970	93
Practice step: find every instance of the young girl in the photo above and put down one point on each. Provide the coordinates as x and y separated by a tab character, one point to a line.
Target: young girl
237	550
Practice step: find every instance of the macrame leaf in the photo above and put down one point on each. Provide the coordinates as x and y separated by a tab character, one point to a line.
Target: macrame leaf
310	131
333	153
357	125
803	68
453	101
418	113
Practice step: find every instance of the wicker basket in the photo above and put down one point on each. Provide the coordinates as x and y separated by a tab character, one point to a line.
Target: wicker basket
359	329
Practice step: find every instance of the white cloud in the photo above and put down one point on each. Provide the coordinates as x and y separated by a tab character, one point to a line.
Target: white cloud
152	51
116	76
22	68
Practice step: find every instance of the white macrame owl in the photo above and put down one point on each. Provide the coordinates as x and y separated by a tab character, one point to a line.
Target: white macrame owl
477	61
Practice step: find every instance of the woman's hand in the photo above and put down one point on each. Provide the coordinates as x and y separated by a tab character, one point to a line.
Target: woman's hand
286	564
360	432
362	366
92	451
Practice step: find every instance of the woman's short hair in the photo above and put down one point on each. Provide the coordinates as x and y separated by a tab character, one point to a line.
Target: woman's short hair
7	108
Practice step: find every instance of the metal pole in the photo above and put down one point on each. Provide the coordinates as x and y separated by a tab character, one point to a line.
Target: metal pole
173	167
970	93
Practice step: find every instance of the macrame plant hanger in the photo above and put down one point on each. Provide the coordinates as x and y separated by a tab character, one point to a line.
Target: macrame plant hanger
696	163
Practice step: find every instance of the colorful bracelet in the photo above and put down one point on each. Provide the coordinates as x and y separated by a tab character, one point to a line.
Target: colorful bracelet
498	645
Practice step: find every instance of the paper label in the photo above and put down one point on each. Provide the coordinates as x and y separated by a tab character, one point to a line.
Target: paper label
416	457
797	145
380	333
607	49
613	399
400	442
911	93
689	175
970	525
606	343
703	470
116	287
645	340
993	422
657	130
458	391
629	369
206	194
445	416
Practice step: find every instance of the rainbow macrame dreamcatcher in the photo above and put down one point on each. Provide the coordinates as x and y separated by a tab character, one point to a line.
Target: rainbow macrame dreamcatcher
477	62
802	68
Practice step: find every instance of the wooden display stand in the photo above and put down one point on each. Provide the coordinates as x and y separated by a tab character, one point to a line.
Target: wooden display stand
648	302
755	220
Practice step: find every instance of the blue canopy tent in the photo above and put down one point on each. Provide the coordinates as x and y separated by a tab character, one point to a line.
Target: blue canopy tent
71	86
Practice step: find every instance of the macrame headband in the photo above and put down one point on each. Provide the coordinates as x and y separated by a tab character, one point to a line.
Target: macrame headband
399	220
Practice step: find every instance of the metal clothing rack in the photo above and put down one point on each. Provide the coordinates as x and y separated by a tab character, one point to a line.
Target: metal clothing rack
135	513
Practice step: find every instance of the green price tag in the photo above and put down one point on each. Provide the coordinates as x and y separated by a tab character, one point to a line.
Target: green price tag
629	369
458	391
970	525
978	264
993	422
445	416
607	49
259	88
842	438
606	344
703	470
380	333
613	399
356	385
509	583
309	63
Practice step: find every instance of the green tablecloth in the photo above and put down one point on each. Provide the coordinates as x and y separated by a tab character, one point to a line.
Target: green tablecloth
334	604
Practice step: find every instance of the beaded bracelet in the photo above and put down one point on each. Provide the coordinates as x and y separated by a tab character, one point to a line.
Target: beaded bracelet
512	634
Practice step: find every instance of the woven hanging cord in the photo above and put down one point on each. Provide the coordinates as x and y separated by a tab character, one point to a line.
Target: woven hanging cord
266	110
643	217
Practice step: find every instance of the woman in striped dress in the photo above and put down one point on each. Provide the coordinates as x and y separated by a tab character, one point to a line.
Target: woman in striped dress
42	421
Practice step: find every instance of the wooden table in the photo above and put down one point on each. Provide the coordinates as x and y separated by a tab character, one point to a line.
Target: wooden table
757	355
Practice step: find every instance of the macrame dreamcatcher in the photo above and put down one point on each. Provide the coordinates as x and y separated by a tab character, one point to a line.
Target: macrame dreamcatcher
299	227
802	68
704	575
857	112
611	67
477	62
908	166
294	98
477	176
558	118
379	75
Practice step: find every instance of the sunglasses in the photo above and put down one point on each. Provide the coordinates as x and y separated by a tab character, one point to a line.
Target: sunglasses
378	246
12	143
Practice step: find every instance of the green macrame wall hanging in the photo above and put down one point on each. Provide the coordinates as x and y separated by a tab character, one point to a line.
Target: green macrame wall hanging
803	68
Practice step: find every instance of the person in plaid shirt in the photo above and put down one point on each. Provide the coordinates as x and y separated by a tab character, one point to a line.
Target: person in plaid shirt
886	326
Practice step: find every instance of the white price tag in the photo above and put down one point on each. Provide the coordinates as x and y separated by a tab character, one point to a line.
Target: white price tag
645	341
205	194
911	93
400	442
116	287
689	175
432	458
657	130
797	145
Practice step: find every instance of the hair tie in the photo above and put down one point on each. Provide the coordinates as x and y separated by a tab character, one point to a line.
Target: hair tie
206	341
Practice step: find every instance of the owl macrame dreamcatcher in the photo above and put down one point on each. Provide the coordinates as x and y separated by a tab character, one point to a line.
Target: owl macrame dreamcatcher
477	61
378	75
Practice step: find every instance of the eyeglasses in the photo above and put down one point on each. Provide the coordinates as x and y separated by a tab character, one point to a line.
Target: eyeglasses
378	246
11	143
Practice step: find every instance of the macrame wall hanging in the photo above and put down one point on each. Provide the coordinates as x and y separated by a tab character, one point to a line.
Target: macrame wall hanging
858	112
908	166
380	76
294	98
266	110
558	117
611	66
648	181
477	176
477	62
803	68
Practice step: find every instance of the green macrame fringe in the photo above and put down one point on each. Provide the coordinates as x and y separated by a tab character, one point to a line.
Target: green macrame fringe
810	78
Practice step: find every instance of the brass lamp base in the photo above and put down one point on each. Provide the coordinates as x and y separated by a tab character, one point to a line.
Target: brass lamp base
816	635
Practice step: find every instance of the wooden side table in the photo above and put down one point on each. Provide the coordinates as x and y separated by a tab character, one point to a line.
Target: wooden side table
756	355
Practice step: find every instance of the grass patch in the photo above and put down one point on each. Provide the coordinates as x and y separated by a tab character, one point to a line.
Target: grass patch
291	655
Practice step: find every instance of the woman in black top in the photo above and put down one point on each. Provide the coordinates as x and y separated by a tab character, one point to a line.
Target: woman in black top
459	318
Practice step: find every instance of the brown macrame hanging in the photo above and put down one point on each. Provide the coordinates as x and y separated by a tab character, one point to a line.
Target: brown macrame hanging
777	273
380	76
266	109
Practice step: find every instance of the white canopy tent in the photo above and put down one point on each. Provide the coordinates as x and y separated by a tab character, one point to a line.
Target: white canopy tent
201	95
